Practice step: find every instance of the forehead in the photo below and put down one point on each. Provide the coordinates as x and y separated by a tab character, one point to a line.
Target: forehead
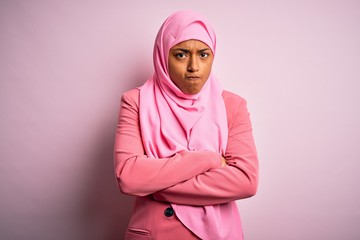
191	44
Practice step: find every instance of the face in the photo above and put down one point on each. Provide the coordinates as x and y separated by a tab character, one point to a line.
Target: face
190	65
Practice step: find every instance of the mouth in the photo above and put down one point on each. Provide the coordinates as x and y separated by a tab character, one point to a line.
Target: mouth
193	78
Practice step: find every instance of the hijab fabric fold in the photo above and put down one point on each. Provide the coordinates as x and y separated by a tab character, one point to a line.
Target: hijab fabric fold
172	121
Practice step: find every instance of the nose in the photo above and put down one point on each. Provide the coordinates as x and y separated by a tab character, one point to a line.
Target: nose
193	65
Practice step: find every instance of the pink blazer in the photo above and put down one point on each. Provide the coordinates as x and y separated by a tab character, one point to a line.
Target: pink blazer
190	178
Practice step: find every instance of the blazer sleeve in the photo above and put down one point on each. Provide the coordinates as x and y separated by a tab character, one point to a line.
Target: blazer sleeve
140	175
237	180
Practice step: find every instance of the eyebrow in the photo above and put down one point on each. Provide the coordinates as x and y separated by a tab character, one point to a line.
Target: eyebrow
187	50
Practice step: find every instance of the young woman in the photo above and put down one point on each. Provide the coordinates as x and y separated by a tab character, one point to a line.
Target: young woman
184	146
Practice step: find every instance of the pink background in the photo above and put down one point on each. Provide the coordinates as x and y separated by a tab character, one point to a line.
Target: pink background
65	64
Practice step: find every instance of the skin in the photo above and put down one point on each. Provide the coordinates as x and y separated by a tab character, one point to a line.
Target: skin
190	64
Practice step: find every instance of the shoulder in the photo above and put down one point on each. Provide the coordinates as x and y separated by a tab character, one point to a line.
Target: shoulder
235	106
133	93
231	98
131	97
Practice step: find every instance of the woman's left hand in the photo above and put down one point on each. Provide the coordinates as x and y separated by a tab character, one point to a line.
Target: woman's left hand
223	162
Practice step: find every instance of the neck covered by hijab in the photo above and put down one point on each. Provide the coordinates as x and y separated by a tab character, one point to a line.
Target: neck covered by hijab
172	121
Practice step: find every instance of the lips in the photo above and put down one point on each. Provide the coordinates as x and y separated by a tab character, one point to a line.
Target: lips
192	77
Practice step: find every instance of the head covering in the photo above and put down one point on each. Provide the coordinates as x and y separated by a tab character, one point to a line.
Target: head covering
172	121
167	115
179	27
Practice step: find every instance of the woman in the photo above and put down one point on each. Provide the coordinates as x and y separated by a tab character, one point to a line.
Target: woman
184	147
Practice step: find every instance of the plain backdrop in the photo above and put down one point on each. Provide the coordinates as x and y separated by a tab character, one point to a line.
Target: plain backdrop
65	64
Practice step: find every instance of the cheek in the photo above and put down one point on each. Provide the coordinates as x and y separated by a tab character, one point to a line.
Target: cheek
207	69
175	71
172	73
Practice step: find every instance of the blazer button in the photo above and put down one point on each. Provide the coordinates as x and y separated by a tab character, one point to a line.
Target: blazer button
169	212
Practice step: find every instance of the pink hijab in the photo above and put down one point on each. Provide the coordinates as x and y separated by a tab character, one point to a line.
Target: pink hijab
172	121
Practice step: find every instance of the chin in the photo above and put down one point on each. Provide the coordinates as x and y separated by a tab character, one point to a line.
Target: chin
192	92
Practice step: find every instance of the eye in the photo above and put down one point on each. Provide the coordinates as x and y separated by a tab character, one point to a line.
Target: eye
180	55
204	55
